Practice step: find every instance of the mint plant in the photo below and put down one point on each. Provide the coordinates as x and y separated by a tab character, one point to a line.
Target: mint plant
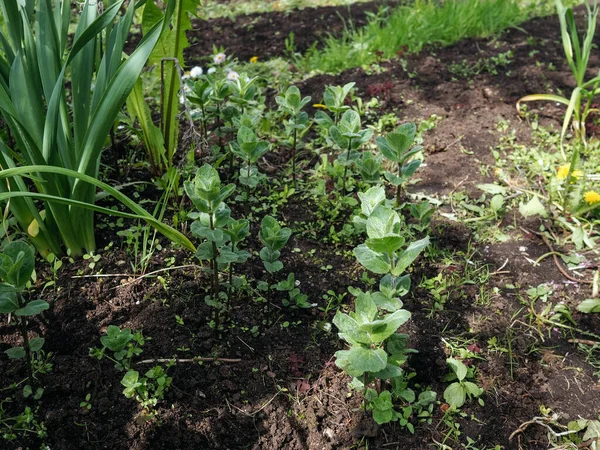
377	351
383	252
17	262
398	148
369	167
147	389
334	100
295	298
457	393
244	92
349	137
220	233
291	104
274	237
250	149
125	344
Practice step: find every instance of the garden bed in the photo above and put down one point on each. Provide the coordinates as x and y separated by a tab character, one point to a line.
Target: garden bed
285	392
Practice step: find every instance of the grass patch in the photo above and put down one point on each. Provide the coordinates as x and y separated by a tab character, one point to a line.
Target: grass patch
407	29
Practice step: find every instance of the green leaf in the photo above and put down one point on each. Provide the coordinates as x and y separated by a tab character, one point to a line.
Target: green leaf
346	364
409	255
397	344
458	367
32	308
371	260
410	168
455	395
592	431
205	251
349	329
473	389
6	264
36	344
367	359
532	208
273	267
492	189
390	304
15	353
380	330
23	260
8	302
272	234
383	222
408	395
388	244
590	305
382	416
427	398
497	202
138	211
366	309
131	383
116	339
390	371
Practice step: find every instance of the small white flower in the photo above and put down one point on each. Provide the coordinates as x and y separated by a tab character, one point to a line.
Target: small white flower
233	76
313	304
219	58
297	282
187	89
186	76
196	72
211	70
182	99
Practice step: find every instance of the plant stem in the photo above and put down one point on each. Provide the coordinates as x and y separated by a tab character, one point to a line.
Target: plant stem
398	188
346	166
230	279
294	156
364	392
215	267
23	329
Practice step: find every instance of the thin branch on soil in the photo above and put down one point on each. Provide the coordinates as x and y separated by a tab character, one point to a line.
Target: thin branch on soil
242	341
555	257
584	341
255	412
459	184
543	421
500	271
188	360
452	143
121	275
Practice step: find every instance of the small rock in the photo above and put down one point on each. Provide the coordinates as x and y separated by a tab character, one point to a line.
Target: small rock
329	433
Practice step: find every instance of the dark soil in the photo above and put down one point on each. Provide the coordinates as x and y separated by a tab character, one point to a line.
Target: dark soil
286	392
264	35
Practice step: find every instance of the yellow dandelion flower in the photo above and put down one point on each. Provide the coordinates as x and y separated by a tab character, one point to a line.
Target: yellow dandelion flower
563	171
319	106
591	197
254	59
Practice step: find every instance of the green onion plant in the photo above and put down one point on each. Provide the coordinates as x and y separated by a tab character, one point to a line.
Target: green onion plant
59	127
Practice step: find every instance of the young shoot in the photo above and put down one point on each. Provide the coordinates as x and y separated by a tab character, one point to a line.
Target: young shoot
291	104
396	147
349	137
17	262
